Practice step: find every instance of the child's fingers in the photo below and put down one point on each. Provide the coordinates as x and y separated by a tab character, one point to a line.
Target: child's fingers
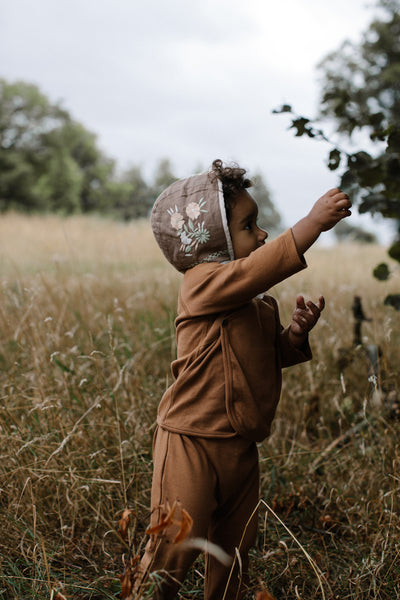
316	309
321	303
307	314
342	204
337	194
300	303
312	308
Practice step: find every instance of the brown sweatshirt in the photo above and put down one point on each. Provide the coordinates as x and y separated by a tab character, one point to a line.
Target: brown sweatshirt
231	346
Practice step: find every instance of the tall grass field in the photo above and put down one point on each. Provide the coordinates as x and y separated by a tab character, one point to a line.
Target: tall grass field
87	310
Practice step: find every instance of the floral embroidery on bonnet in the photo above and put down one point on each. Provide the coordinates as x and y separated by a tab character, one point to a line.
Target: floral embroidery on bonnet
191	234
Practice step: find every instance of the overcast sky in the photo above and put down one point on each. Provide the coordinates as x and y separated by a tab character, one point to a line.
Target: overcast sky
191	80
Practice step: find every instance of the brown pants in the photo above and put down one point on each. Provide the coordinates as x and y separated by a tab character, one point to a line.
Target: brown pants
217	483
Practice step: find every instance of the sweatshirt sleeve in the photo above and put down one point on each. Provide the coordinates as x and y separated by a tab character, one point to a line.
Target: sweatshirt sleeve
291	355
214	287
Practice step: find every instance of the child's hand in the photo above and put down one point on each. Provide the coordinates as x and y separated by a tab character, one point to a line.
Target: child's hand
304	318
331	208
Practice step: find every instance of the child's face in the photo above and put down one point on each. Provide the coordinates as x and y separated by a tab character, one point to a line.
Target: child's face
246	235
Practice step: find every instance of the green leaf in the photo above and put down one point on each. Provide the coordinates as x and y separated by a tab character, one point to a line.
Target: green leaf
393	300
394	251
348	180
376	120
334	159
371	176
373	202
300	124
381	272
360	160
283	109
394	141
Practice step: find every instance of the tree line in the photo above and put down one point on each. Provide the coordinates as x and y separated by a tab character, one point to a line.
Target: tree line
49	162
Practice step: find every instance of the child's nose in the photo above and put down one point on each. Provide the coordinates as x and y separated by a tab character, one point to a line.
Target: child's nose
262	235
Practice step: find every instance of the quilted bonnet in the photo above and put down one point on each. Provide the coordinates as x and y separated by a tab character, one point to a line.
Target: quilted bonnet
189	222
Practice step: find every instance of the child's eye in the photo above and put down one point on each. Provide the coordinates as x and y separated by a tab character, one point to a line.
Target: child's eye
249	226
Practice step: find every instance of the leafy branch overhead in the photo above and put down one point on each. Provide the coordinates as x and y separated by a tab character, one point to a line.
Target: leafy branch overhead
375	180
360	92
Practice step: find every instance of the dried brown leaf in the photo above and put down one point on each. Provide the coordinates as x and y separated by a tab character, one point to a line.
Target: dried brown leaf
126	583
186	525
165	521
123	523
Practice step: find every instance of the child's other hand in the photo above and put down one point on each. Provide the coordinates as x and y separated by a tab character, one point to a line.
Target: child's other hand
304	318
331	208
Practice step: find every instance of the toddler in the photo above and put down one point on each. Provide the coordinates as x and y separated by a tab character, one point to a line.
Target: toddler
231	348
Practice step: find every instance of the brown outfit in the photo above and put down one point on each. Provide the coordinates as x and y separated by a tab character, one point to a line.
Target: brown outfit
230	351
217	482
231	346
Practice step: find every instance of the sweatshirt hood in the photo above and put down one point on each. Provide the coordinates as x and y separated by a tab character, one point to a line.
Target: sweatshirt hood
189	222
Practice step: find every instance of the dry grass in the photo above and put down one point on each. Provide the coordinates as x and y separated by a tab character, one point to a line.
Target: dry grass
86	313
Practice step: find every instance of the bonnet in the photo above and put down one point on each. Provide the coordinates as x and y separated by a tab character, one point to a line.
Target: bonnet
189	222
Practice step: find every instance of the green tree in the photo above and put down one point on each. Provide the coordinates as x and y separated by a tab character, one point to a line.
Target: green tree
48	161
269	217
74	148
60	185
361	82
163	177
361	93
25	115
344	232
134	199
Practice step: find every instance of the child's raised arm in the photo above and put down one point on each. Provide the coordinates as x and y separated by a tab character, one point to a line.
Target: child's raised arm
331	208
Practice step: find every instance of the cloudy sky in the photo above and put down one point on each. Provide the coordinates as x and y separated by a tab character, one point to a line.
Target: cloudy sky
191	80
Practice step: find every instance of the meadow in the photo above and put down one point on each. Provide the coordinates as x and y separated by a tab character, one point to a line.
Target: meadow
86	313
